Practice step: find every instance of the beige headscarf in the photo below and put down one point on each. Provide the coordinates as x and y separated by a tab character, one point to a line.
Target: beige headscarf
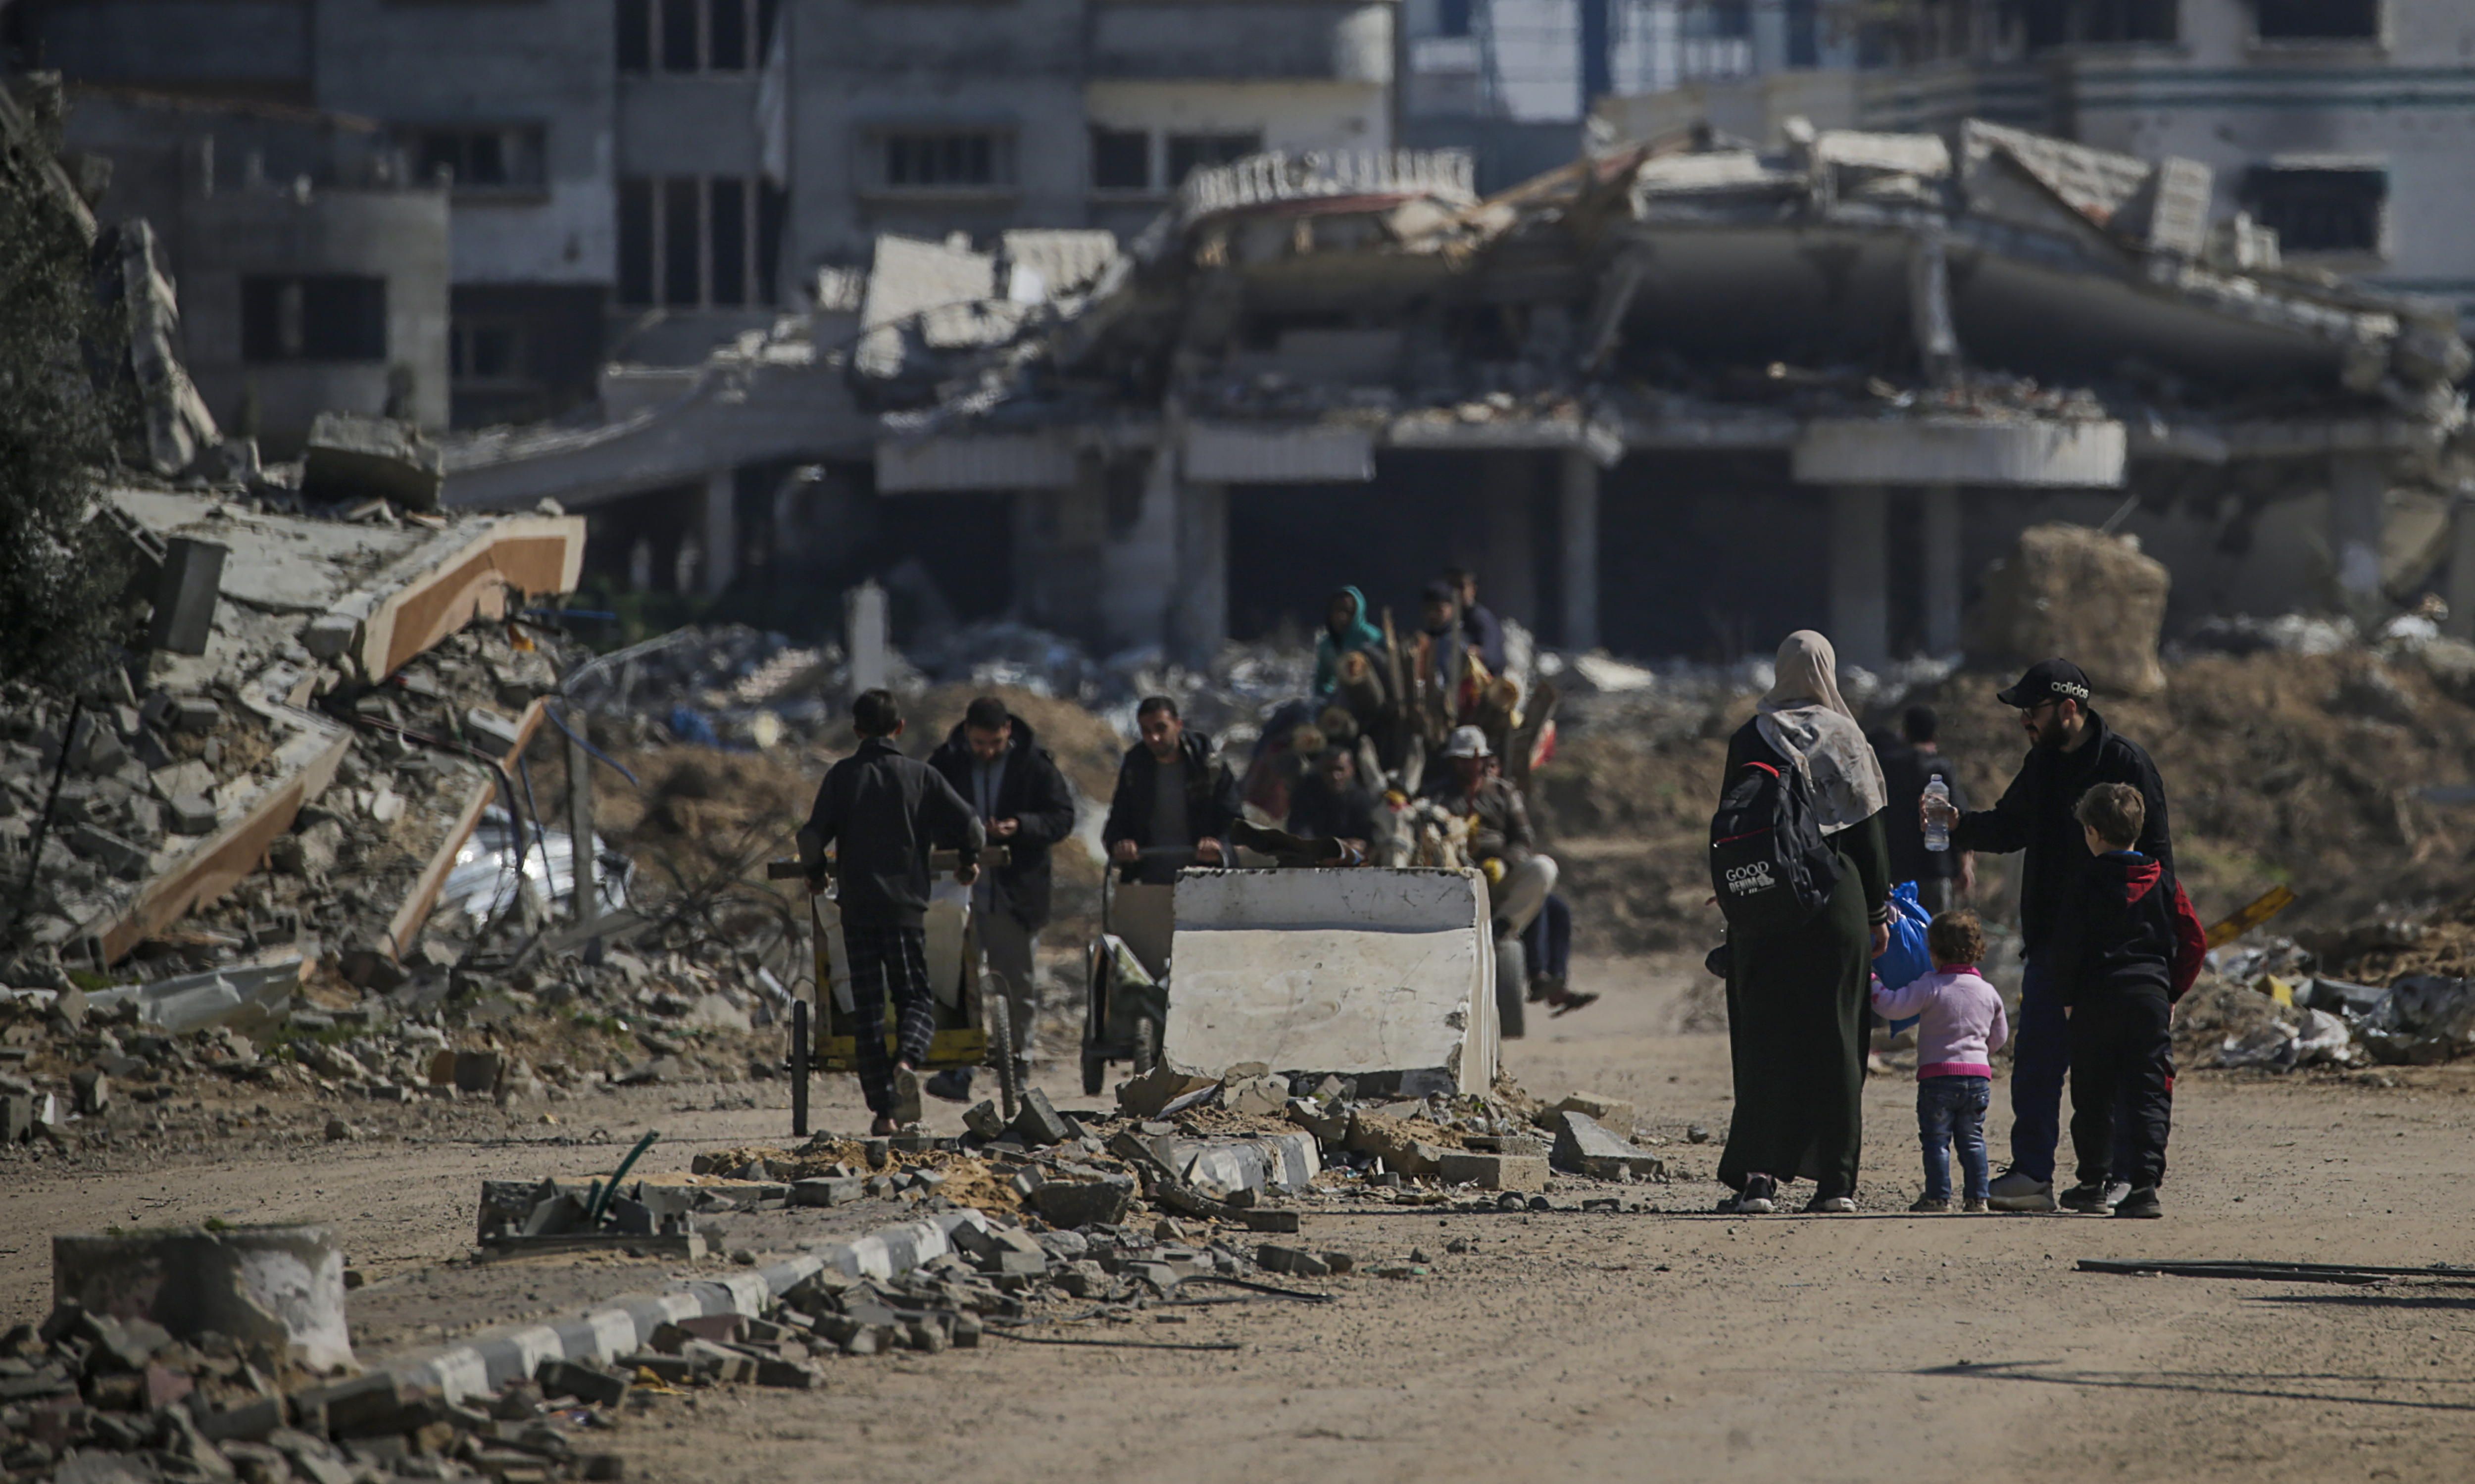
1805	717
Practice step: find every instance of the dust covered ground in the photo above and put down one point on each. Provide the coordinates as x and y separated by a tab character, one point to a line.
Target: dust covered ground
1564	1346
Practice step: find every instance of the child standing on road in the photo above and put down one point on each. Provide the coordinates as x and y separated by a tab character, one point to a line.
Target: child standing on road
1961	1026
2113	948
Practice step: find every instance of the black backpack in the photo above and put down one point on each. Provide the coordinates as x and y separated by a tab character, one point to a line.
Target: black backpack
1771	866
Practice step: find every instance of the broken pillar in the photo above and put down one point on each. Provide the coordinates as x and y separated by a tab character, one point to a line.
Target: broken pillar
866	636
1199	616
1941	605
1860	609
719	510
2357	501
1578	530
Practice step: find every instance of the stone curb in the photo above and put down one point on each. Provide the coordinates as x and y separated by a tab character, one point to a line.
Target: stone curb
625	1324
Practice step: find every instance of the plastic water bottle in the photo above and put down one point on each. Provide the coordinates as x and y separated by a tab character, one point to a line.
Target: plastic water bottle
1937	810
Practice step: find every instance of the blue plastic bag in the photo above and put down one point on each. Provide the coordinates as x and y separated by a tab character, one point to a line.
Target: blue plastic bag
1907	959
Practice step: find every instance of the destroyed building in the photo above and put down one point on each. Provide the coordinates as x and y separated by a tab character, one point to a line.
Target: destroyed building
1669	399
643	181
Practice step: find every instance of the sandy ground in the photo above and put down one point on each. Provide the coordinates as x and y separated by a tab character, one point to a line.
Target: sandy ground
1868	1347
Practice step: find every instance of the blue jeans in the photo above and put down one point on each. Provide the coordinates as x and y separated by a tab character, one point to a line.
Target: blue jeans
2040	1063
1951	1110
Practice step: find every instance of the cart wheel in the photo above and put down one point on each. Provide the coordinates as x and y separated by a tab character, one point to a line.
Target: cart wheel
1001	1051
1147	1044
1096	1072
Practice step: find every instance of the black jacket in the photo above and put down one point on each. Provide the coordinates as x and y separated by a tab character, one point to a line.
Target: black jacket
886	812
2116	934
1212	802
1031	791
1905	771
1317	810
2034	814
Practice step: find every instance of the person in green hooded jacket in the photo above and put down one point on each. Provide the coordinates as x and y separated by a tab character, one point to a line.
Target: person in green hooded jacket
1344	629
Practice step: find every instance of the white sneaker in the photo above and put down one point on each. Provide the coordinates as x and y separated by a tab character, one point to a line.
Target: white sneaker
2013	1191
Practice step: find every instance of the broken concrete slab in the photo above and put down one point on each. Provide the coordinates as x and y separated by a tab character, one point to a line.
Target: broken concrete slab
1581	1145
349	455
1616	1115
1221	1167
1372	973
1394	1142
1083	1202
282	1287
1147	1093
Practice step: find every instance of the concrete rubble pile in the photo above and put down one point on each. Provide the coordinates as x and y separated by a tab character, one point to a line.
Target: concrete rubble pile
2299	1015
90	1398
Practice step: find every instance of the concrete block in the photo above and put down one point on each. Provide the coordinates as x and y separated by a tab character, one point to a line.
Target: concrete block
1616	1115
121	857
826	1192
1352	972
1583	1146
186	589
984	1119
189	814
1493	1172
242	1422
583	1382
196	713
1328	1123
1084	1203
1036	1123
1295	1261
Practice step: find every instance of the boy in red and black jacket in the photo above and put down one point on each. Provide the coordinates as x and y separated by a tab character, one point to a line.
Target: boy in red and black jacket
2114	943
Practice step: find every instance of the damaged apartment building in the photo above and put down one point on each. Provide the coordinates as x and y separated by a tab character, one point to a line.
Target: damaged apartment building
1673	399
640	181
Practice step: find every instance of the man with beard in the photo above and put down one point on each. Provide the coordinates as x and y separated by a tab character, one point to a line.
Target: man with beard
2071	751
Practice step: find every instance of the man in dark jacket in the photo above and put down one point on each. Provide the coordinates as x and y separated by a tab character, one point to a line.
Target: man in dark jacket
2072	750
1173	795
1330	803
1909	762
1013	785
885	813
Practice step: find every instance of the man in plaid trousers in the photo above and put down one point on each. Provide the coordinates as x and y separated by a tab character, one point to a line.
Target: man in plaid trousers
886	812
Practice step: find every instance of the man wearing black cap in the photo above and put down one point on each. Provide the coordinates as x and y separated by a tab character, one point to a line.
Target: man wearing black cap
2070	751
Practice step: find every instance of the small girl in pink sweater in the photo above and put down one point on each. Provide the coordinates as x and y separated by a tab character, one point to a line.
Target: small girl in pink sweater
1962	1026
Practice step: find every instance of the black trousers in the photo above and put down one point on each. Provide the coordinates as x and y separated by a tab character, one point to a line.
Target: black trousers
2122	1081
888	961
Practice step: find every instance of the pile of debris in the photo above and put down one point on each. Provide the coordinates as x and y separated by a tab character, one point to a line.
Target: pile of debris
88	1399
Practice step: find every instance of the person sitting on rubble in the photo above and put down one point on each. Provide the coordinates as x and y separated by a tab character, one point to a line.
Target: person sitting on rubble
1331	803
1481	629
1345	631
885	812
1518	877
1174	802
1013	784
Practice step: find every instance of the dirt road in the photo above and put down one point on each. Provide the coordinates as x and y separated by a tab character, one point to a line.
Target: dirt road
1567	1346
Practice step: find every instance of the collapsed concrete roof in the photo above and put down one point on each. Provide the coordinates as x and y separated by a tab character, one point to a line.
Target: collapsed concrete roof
1692	293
